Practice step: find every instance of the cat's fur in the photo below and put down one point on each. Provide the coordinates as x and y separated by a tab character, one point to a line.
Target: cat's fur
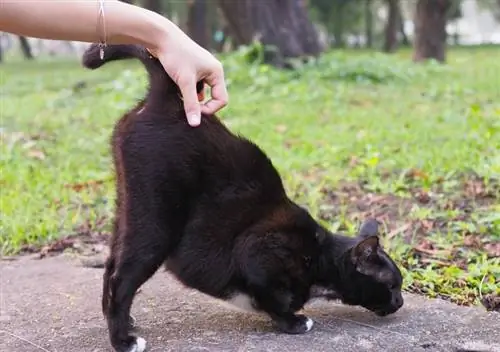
211	206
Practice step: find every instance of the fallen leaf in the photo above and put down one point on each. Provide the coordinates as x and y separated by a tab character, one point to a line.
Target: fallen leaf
93	184
472	241
491	302
29	144
427	247
399	230
416	173
493	249
427	225
435	262
281	128
353	161
36	154
423	197
475	188
290	143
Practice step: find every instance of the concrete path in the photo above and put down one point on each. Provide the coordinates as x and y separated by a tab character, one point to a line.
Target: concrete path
53	305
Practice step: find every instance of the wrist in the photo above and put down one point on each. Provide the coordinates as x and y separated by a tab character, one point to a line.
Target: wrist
138	25
155	32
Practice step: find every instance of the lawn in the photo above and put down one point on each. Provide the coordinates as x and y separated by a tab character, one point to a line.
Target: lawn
357	134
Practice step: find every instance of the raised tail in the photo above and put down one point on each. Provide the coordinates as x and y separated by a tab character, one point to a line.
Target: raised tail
159	81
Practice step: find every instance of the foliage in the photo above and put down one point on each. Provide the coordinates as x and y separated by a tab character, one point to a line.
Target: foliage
340	17
354	134
491	5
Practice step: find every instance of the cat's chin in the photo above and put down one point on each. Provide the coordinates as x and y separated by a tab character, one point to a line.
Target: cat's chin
383	312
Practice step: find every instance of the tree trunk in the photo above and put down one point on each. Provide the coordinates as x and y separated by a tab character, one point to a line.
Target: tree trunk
430	30
392	26
197	22
368	23
338	25
282	26
26	48
153	5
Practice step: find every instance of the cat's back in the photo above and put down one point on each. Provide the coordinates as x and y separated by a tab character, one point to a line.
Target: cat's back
208	160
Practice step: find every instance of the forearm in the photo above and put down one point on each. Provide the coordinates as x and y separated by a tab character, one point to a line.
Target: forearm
79	21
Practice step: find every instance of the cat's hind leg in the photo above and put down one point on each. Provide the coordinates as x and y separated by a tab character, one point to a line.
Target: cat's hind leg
139	250
108	271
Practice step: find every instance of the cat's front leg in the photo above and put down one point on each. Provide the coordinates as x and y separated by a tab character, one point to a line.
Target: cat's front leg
278	306
291	323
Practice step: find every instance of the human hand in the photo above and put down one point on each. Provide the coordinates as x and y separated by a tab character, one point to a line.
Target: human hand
187	63
183	59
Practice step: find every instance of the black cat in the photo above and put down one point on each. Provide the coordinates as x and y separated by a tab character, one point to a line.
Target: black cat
211	206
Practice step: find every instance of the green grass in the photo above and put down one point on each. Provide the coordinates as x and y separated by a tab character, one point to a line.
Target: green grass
354	135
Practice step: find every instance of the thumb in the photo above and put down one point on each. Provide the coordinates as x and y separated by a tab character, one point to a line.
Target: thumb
191	104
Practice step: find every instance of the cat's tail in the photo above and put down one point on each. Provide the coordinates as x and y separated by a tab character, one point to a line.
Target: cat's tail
159	81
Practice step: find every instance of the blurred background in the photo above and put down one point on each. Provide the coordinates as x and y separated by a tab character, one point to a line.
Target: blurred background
296	28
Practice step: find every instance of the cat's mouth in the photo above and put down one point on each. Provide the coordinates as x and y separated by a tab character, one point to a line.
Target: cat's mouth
384	311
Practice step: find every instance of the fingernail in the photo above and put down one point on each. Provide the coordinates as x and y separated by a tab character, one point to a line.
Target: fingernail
194	120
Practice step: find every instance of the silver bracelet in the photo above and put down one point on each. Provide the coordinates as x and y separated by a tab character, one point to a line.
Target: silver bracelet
102	33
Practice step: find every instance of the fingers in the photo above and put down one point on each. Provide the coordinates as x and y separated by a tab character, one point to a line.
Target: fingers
190	98
218	92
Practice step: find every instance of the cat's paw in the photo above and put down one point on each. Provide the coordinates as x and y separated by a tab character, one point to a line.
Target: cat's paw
138	346
299	324
135	344
309	324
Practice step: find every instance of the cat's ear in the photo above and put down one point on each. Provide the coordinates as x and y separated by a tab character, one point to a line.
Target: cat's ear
369	228
364	253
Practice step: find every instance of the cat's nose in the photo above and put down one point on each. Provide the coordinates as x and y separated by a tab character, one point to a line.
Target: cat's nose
397	301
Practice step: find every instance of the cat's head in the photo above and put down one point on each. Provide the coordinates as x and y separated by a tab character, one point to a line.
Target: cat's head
370	279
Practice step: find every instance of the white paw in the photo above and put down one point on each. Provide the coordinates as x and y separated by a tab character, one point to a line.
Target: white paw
139	345
309	324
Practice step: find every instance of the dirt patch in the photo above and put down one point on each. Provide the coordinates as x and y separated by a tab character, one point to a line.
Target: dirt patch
447	232
87	241
422	212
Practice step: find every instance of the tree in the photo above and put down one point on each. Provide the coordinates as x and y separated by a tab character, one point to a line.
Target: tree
430	30
197	22
339	15
368	23
282	26
26	48
392	26
490	5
